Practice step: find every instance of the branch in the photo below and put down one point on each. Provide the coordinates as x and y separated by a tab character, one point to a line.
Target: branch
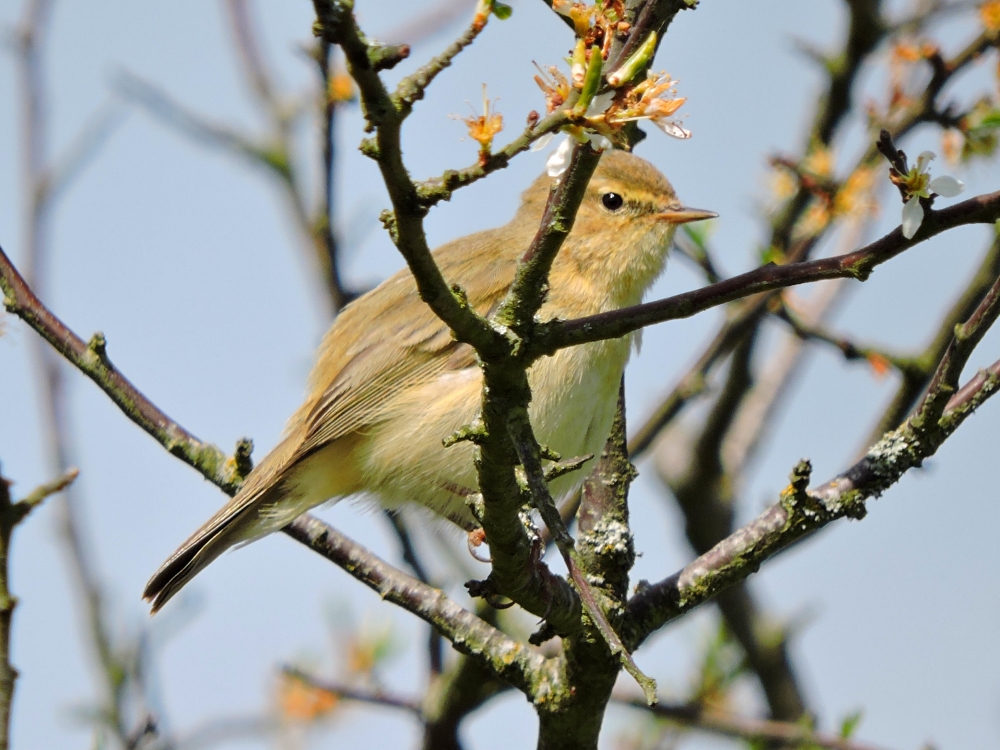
470	634
503	656
983	209
346	692
753	731
409	554
918	375
336	24
800	512
11	514
411	89
436	189
91	358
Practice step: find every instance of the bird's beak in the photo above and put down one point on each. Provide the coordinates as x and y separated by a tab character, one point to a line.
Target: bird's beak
684	215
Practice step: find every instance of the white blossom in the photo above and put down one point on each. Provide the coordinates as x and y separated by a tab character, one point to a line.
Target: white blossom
918	184
946	186
913	216
600	103
672	128
558	161
597	141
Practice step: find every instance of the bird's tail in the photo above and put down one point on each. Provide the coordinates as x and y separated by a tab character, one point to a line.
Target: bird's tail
251	514
282	487
238	521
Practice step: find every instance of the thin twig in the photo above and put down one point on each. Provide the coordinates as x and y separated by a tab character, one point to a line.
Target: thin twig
399	527
983	209
918	375
392	584
359	695
801	512
11	514
786	733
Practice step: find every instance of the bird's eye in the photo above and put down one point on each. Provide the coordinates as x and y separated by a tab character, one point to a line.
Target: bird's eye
612	201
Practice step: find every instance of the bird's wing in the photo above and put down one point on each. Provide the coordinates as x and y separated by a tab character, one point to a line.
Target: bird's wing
392	340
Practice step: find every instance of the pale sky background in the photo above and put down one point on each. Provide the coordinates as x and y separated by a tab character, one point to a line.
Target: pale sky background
186	260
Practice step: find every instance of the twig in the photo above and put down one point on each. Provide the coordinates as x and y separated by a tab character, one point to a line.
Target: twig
502	655
528	452
750	427
470	633
786	733
694	251
918	375
43	179
346	692
944	383
247	46
849	349
801	512
385	115
983	209
402	533
324	225
428	22
436	189
411	88
11	514
741	323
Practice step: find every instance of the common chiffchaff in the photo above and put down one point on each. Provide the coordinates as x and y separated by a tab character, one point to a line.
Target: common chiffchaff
391	382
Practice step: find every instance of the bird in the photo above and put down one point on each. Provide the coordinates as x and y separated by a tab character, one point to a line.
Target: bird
391	382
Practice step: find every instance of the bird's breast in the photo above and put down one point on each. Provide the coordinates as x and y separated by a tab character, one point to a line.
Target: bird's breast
574	397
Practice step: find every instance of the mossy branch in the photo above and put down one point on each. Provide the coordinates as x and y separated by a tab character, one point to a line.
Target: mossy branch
800	512
471	634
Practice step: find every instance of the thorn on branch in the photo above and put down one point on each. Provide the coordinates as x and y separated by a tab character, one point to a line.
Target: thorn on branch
799	478
561	468
487	591
544	633
36	496
470	433
242	461
387	56
98	345
388	219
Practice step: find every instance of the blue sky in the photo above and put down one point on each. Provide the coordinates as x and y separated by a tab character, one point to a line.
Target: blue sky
187	262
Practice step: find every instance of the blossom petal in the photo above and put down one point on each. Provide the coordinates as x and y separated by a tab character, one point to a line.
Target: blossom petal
558	161
946	186
672	129
542	142
913	216
925	158
598	142
600	103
